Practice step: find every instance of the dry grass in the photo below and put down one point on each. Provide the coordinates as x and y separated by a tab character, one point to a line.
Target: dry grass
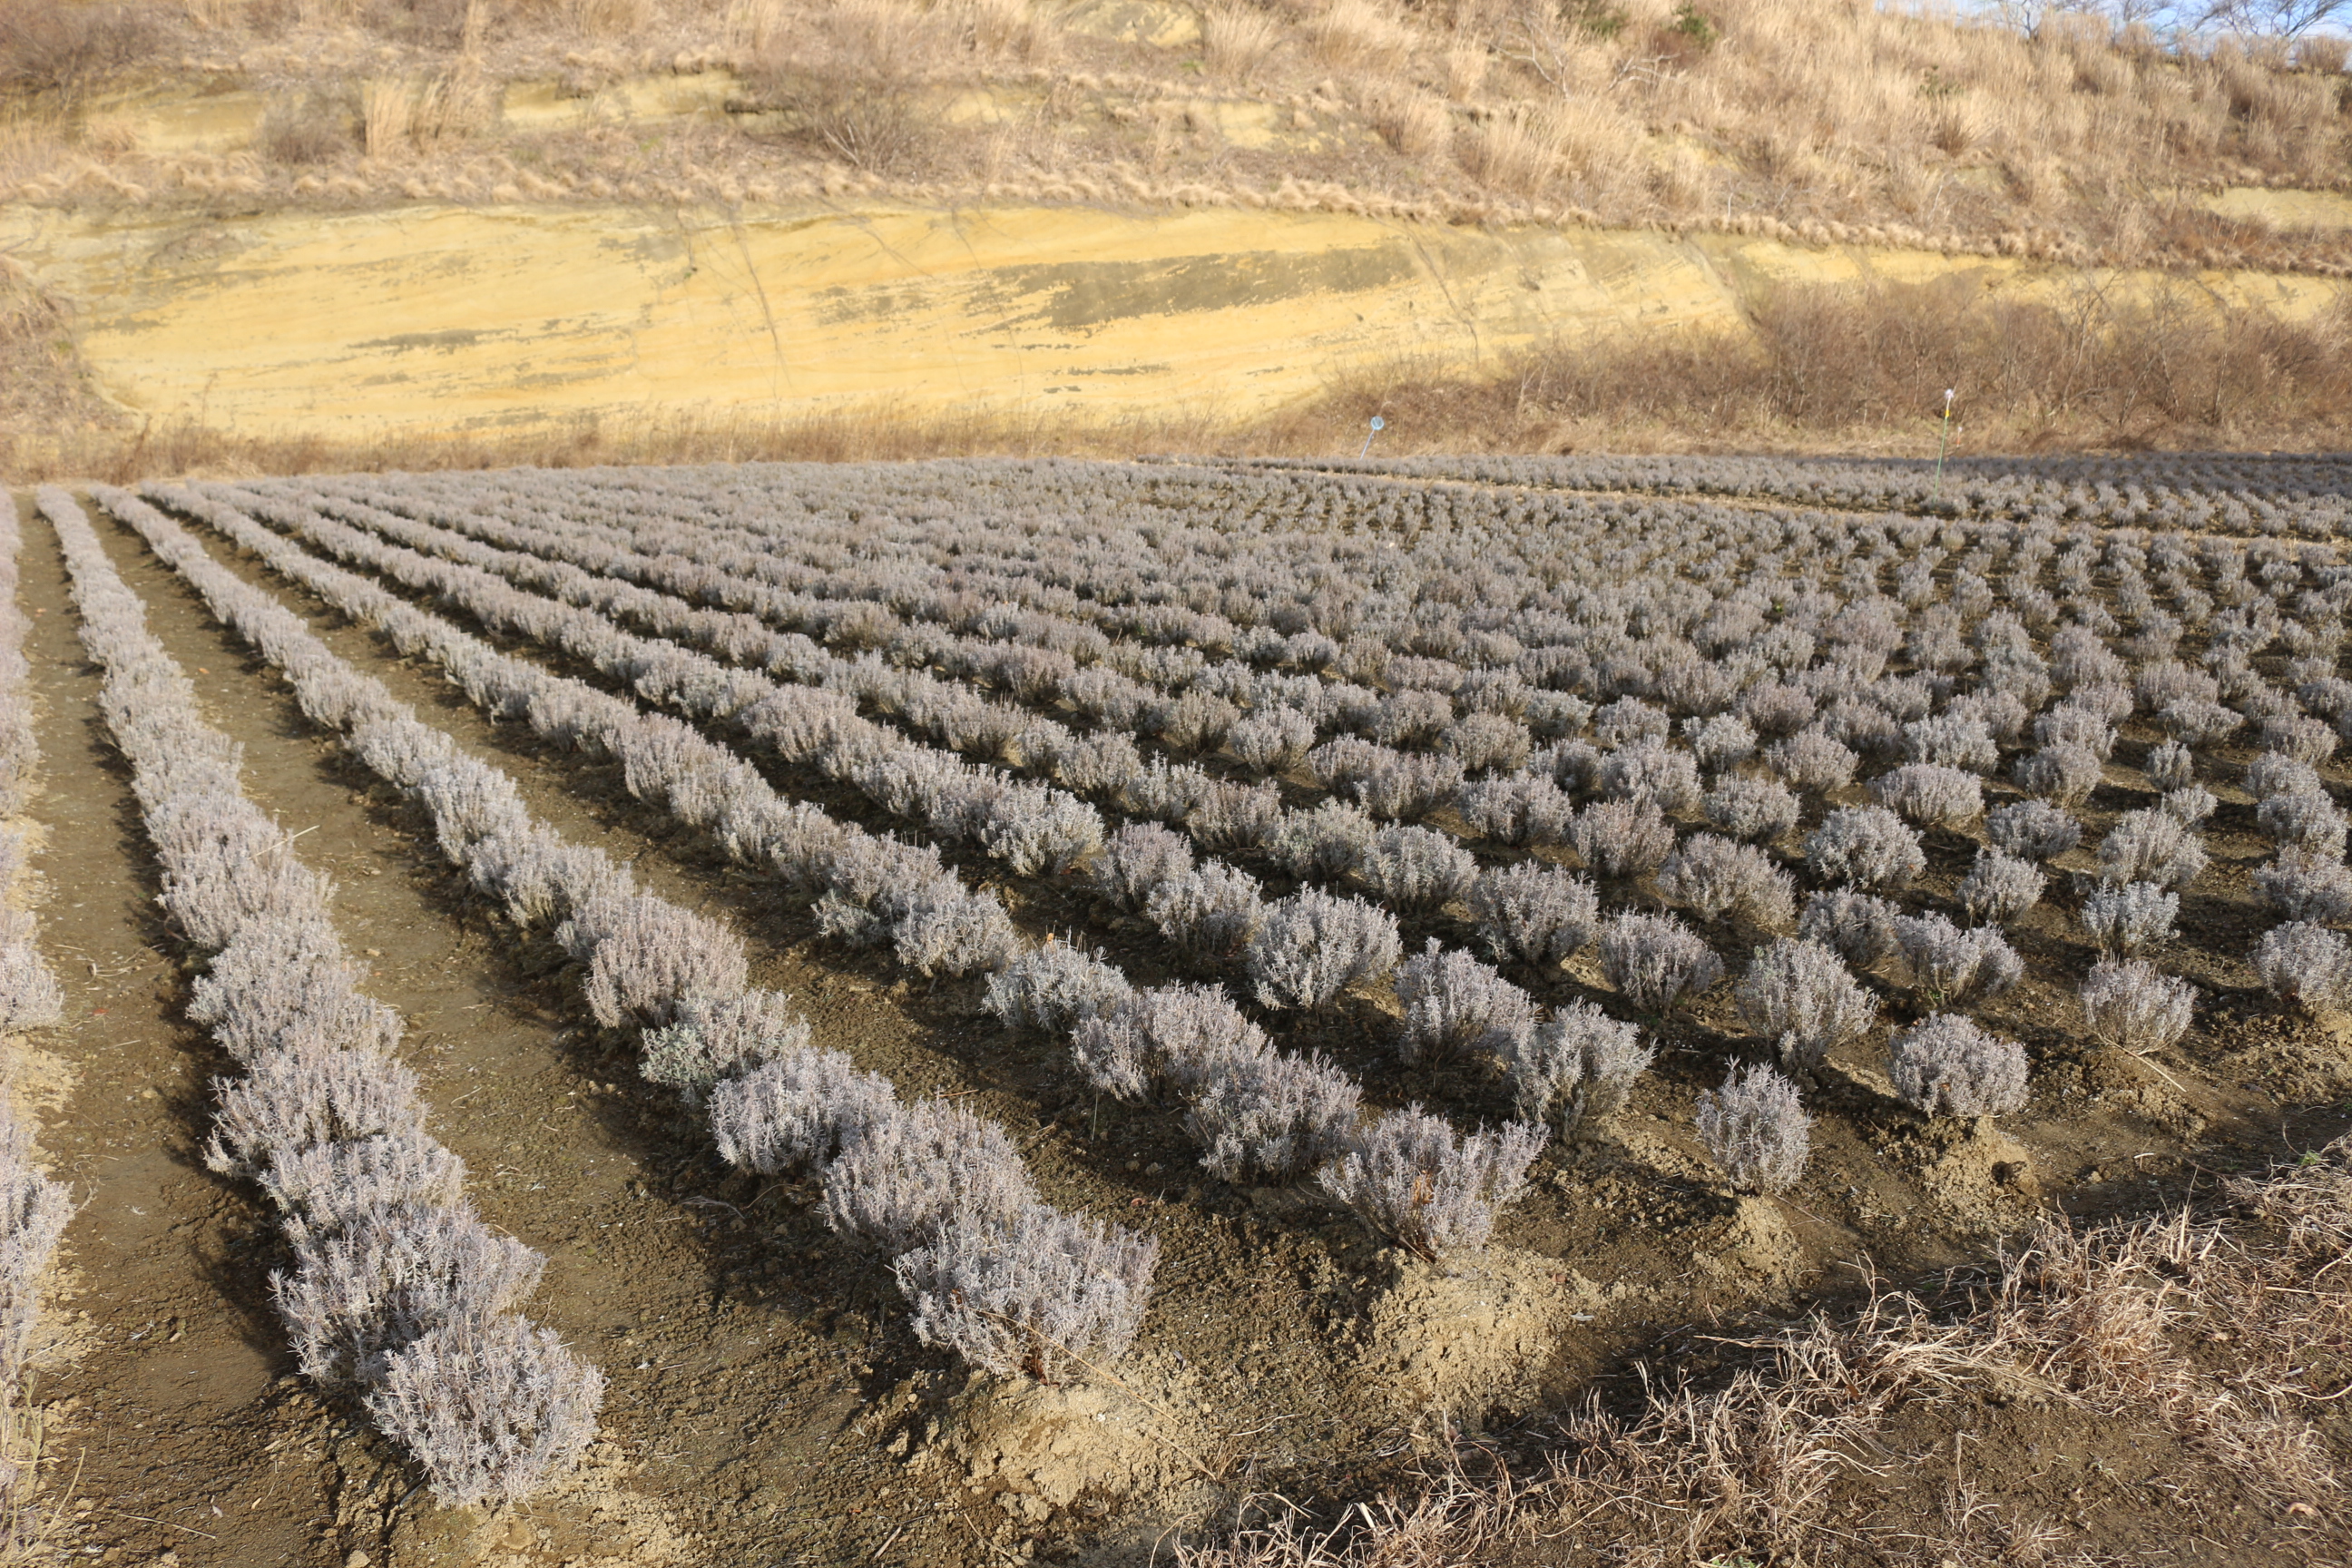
1830	367
1811	1450
1782	117
1821	369
1238	39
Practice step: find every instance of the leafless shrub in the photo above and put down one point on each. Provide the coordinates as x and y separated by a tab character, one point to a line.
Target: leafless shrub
2033	829
2133	1006
1034	1293
1411	718
283	984
2171	766
29	995
381	1276
944	928
1577	1069
1181	1038
1197	721
2196	723
1649	770
651	956
1756	1130
2070	725
1951	739
2274	774
1930	794
1166	791
1552	715
1403	786
2131	918
292	1100
2310	823
1136	860
1755	810
1712	876
1627	720
2302	885
1327	843
1039	832
1210	914
1621	838
795	1111
1271	1119
1950	967
910	1175
1415	869
1800	996
1343	763
2064	775
1999	887
1573	765
1486	743
1313	945
1235	816
1722	741
2307	741
2188	805
1947	1065
1857	927
1454	1004
33	1212
715	1037
1656	961
1536	913
490	1407
2151	846
1811	759
2306	965
1272	739
1776	707
1410	1176
1864	846
1100	764
1050	989
1523	808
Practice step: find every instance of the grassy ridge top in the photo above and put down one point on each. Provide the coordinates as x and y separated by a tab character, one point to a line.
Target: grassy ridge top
2076	142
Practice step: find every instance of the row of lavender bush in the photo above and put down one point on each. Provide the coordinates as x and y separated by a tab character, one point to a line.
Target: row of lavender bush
1258	1114
34	1210
1866	849
1298	1114
398	1289
989	1269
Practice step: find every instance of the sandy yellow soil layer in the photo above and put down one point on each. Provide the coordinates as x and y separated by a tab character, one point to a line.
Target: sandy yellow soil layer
351	325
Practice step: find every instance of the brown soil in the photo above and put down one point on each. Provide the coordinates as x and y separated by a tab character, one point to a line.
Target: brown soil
767	1401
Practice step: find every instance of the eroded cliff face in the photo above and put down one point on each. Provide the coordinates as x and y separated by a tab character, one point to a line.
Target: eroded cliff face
420	319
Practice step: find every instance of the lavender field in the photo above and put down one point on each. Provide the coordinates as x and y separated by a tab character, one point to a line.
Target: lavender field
970	1010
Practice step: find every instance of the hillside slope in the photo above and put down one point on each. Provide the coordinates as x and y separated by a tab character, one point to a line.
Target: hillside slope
338	222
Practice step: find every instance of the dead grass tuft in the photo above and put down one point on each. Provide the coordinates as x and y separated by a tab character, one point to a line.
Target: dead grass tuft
57	54
1789	1458
1238	38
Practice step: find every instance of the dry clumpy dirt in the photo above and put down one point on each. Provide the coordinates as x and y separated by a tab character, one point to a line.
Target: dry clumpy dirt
767	1403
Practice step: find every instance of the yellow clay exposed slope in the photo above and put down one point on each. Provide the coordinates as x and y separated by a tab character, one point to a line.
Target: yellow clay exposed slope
452	319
